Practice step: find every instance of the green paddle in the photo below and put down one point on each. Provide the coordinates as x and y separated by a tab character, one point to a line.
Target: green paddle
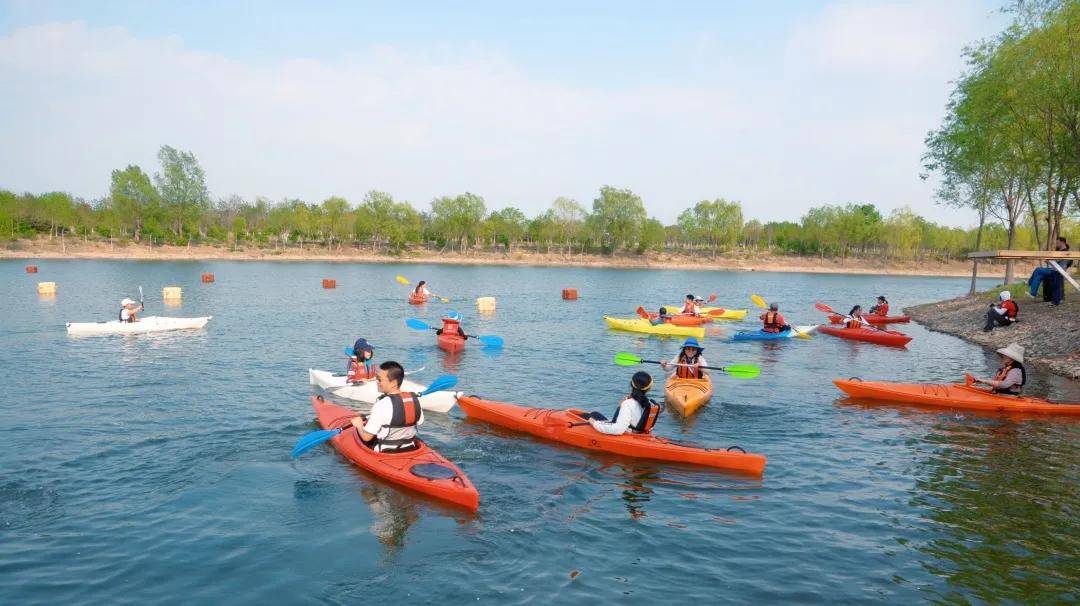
738	371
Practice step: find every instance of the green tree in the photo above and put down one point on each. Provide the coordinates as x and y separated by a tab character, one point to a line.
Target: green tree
459	218
133	197
182	187
617	217
507	226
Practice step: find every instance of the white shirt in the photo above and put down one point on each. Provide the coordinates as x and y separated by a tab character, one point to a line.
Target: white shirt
382	412
125	315
629	414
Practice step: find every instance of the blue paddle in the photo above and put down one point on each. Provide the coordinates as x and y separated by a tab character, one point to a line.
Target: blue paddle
315	438
487	340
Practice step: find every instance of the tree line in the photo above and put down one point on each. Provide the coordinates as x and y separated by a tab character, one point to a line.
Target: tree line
1009	146
174	206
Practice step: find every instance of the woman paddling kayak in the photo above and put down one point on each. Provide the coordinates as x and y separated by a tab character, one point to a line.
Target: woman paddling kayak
1012	376
636	414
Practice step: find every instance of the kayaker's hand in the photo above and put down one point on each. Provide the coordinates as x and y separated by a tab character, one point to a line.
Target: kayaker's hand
664	365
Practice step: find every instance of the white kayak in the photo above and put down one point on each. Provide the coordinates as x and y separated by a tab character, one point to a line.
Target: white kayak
147	324
367	393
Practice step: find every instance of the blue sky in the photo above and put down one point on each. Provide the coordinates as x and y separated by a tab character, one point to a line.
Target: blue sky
781	106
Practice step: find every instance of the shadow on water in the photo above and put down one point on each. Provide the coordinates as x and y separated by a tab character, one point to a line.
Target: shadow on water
1003	511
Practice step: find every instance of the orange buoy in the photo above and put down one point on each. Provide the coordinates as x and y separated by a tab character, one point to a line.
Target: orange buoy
207	278
329	283
31	269
569	294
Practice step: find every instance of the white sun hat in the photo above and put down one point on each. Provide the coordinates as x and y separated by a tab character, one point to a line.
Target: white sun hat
126	302
1013	352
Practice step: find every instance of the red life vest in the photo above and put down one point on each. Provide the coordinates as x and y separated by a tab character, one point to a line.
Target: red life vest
773	322
648	418
359	372
689	308
880	310
1011	309
1004	372
688	372
401	432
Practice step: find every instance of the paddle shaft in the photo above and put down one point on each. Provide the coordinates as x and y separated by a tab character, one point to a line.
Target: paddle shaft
720	368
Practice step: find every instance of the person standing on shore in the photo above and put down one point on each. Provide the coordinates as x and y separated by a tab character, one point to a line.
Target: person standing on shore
1004	314
1010	378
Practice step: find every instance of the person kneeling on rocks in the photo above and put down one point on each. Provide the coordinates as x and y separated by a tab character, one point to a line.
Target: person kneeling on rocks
1003	314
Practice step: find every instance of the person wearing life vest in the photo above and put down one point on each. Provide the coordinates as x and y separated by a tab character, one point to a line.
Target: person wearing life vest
1011	377
361	363
128	310
421	289
661	317
636	414
1004	314
774	322
392	424
856	319
688	361
690	306
882	307
452	325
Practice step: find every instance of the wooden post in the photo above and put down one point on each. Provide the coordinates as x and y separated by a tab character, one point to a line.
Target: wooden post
974	274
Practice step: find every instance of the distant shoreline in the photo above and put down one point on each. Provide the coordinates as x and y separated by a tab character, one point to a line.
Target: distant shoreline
75	249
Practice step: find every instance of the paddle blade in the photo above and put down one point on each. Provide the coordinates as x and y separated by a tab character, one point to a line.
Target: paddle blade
491	341
626	359
417	324
968	379
444	299
642	313
441	383
349	351
823	307
742	371
711	298
312	440
402	280
759	301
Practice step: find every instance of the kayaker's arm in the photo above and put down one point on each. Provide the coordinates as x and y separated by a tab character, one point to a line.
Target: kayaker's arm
620	425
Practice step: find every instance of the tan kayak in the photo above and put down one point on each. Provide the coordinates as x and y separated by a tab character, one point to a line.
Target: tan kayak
687	395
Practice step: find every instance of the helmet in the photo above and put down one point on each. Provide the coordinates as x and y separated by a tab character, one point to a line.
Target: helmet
641	380
692	342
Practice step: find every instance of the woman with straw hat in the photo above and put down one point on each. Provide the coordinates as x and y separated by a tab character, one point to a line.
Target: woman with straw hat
1010	378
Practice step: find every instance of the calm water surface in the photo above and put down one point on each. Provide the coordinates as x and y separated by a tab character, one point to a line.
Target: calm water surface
156	468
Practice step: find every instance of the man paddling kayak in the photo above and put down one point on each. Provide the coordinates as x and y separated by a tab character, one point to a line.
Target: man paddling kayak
391	425
361	363
128	308
1010	378
882	307
636	414
688	361
773	320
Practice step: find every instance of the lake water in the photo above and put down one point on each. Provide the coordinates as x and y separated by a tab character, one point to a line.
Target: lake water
156	469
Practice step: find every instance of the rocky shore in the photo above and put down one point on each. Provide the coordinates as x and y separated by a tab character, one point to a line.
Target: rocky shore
1050	335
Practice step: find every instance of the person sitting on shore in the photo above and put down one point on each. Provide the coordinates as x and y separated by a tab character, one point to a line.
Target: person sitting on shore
688	361
1004	314
452	323
1052	282
855	319
1011	377
361	363
636	413
128	310
882	307
773	321
421	290
392	424
661	317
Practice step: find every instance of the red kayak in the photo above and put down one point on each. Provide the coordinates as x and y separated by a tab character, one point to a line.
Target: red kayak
872	319
450	343
870	335
422	470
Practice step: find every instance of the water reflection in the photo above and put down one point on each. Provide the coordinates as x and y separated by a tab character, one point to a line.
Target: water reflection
395	512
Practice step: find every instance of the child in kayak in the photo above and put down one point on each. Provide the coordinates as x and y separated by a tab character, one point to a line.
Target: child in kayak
392	424
361	363
690	306
774	322
636	414
661	317
128	310
882	307
688	361
453	325
1010	378
856	319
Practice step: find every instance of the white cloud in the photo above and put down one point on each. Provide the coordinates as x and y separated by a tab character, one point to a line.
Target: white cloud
81	101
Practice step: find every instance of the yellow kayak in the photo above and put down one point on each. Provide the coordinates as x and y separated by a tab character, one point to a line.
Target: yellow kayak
688	395
729	314
639	325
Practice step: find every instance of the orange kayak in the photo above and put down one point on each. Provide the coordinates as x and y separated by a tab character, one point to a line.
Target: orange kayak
422	470
951	396
683	320
687	395
568	427
870	335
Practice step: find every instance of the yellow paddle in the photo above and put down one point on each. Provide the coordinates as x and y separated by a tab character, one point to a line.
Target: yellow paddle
763	305
405	281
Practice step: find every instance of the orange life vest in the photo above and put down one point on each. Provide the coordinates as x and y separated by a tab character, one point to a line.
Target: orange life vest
688	372
648	418
1004	372
688	308
772	323
853	323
